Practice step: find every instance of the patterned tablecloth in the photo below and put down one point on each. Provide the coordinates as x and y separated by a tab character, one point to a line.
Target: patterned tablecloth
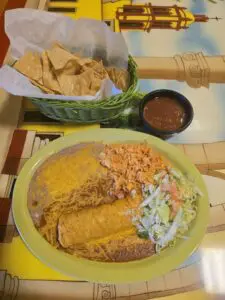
24	277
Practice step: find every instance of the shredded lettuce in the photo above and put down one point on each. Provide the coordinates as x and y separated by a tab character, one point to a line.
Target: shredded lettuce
169	206
164	213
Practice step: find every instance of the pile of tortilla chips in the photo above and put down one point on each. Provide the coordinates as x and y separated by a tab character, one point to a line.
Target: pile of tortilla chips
57	71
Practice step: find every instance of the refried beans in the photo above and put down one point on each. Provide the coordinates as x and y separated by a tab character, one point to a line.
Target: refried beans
164	113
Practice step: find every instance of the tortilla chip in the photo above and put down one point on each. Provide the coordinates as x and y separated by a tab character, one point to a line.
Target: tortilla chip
71	68
95	84
57	71
78	85
49	78
43	88
63	61
98	69
120	77
30	65
59	45
89	65
84	61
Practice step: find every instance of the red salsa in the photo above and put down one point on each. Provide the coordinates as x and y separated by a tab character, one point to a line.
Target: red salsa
164	113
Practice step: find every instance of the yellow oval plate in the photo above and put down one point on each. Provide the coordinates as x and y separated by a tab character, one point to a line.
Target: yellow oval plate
140	270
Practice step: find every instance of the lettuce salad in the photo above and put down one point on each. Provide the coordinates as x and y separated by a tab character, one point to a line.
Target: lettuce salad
168	208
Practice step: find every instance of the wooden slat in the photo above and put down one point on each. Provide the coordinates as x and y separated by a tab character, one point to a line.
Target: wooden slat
173	280
197	155
217	216
138	288
216	174
215	153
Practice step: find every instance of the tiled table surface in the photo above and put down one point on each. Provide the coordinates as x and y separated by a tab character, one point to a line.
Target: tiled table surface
34	278
23	277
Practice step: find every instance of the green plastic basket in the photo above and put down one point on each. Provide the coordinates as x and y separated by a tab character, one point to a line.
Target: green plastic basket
90	111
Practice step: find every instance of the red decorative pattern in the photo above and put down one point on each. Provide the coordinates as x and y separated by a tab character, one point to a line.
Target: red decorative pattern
15	151
5	204
4	41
